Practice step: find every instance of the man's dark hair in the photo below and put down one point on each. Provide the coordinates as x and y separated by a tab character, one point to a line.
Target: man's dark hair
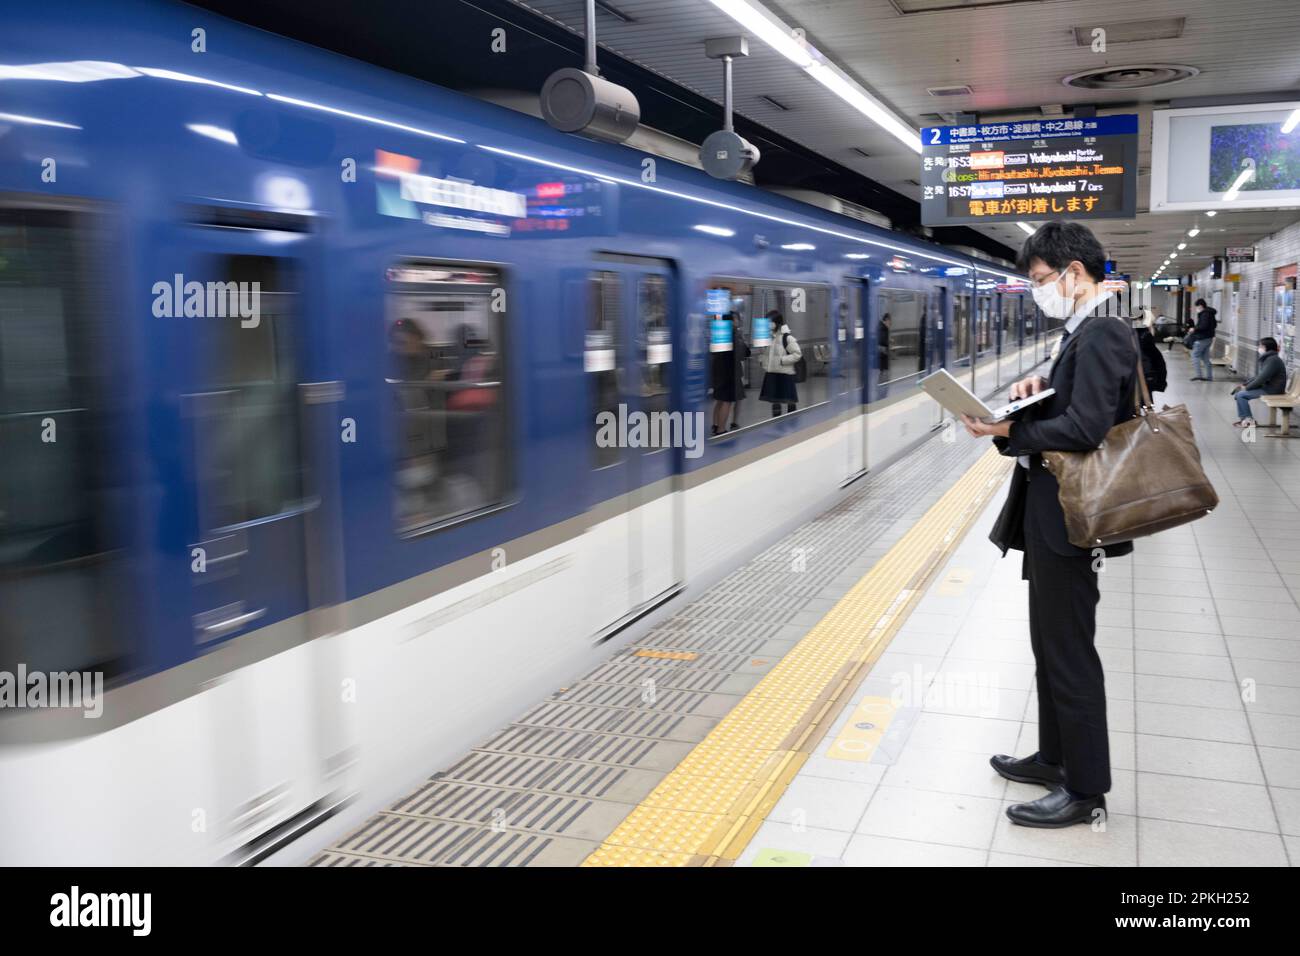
1269	343
1060	243
1202	302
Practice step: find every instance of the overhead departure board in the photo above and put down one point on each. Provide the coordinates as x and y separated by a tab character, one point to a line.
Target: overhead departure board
1035	169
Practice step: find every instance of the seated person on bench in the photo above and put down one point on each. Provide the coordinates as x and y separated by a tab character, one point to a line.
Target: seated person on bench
1270	380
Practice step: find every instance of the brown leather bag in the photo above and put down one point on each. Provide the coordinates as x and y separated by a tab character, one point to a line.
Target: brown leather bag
1145	477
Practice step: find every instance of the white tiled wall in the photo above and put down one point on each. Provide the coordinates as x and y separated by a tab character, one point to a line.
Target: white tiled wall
1254	294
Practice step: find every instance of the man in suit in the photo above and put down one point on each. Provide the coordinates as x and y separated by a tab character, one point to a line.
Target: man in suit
1094	374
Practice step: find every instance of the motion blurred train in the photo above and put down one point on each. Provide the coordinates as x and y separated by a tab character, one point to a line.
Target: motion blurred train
299	364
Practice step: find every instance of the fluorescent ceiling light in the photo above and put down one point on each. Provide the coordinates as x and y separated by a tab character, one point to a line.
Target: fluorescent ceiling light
1193	233
1026	227
839	84
799	246
1182	245
716	230
768	29
213	132
34	121
1291	122
857	255
1211	213
1173	255
772	31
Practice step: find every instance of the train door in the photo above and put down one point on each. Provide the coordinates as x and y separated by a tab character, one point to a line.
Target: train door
630	364
851	335
257	483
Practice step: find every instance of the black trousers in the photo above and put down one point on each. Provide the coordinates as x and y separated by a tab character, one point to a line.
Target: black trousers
1063	597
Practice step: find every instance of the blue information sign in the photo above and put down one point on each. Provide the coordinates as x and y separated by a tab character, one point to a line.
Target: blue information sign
1126	123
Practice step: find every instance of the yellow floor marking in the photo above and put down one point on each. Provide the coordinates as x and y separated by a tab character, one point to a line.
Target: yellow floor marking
666	655
706	810
859	736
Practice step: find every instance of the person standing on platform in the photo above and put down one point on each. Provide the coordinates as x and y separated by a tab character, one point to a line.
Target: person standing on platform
1202	339
1153	363
1094	376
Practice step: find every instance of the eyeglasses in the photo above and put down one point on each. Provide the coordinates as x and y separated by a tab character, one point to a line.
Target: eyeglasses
1045	279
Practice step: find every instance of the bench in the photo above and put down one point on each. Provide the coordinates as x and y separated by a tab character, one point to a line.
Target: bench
1284	403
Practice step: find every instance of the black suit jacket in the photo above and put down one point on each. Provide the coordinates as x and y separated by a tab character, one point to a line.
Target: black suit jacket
1094	376
1207	320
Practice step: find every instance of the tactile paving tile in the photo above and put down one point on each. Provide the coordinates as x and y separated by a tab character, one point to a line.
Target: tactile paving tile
792	703
531	795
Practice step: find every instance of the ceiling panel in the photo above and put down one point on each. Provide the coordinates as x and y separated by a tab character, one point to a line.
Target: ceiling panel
1013	56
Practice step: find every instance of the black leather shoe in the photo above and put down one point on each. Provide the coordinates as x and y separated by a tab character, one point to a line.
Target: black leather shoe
1028	770
1058	809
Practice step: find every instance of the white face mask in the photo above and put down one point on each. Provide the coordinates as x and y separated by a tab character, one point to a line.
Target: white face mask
1052	301
1263	352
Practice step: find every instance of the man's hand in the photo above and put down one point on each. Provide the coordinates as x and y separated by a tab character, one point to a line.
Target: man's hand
1028	386
978	429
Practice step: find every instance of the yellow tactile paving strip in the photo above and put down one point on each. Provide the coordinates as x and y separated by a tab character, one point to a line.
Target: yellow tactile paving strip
707	809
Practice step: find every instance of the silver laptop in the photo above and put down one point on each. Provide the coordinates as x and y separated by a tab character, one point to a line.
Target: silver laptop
958	399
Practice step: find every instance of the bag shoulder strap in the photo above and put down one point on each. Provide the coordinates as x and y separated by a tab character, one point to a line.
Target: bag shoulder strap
1141	394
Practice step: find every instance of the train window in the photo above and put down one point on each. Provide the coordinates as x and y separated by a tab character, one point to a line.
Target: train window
602	359
446	329
900	333
248	428
654	343
739	371
60	586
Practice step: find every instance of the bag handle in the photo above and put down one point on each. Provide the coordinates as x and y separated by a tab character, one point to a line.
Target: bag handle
1142	401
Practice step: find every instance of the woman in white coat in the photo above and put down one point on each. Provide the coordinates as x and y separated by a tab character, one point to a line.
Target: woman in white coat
779	367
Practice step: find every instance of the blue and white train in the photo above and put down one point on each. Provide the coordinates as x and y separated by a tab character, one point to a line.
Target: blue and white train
299	364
